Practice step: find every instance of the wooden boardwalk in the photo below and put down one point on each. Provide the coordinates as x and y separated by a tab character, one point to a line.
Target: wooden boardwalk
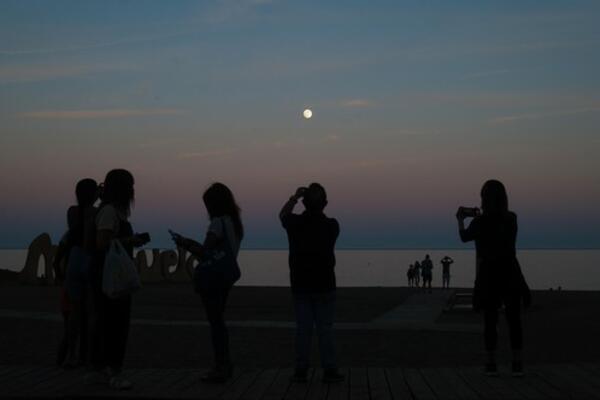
559	381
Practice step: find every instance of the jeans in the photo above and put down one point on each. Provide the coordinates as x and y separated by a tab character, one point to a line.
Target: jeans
214	301
315	309
513	318
110	331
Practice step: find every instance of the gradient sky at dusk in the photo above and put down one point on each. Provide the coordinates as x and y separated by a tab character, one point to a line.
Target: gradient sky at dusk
415	106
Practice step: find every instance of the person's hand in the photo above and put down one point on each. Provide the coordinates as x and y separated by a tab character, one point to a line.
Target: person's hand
180	241
300	192
138	241
459	214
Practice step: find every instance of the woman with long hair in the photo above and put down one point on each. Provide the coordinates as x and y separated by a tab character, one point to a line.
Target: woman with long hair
225	229
112	316
498	280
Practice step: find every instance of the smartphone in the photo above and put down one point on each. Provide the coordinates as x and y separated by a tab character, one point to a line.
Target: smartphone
144	236
174	235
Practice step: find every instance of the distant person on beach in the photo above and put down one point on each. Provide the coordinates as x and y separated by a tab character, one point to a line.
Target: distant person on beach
409	275
225	228
79	244
112	315
499	279
427	272
417	274
312	237
446	262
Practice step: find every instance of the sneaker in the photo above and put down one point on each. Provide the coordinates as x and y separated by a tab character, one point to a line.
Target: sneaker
332	375
491	369
300	375
517	369
118	383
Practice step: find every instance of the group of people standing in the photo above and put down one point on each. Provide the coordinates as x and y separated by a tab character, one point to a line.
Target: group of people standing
97	325
424	269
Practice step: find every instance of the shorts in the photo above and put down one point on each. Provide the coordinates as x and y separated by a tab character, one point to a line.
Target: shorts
427	278
77	279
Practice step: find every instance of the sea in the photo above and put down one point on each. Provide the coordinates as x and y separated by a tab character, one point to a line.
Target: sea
543	269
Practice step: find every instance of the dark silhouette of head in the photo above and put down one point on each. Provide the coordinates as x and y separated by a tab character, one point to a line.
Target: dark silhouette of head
494	200
219	202
118	189
86	192
427	256
315	198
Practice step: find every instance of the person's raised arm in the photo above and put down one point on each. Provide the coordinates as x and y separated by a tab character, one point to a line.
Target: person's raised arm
288	207
466	234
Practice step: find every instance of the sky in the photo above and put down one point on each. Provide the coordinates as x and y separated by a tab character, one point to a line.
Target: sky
415	105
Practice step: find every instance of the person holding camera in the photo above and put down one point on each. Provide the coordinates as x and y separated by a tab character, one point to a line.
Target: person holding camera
498	280
446	262
225	230
312	237
111	316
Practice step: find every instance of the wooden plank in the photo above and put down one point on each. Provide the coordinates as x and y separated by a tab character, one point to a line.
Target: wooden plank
462	390
317	390
168	381
439	386
567	386
188	385
478	382
592	368
17	371
502	386
583	374
240	385
259	387
578	380
359	385
341	390
280	385
6	370
378	384
41	385
21	382
417	385
298	390
398	387
523	386
542	386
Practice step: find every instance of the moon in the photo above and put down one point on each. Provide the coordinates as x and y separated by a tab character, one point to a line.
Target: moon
307	114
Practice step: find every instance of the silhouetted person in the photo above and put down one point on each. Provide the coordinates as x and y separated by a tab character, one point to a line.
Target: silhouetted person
225	227
417	273
312	237
410	275
80	241
499	280
446	262
427	272
112	316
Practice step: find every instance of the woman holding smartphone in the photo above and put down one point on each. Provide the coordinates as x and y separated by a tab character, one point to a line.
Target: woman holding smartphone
112	316
499	280
225	229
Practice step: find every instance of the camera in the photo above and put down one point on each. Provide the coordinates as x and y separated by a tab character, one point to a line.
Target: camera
469	212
